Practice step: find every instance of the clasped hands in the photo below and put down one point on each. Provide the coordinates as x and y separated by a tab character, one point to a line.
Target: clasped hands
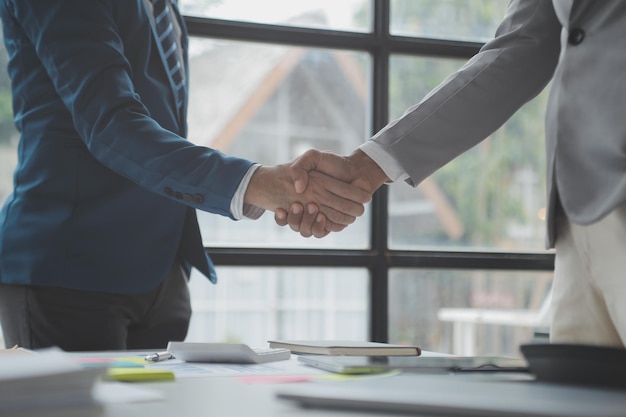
318	192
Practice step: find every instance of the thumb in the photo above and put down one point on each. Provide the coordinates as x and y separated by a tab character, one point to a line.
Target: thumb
300	167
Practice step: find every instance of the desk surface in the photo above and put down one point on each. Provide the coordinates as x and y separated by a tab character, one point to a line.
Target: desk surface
224	396
230	396
220	396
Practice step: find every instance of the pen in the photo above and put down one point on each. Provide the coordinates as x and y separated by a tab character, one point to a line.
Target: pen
159	356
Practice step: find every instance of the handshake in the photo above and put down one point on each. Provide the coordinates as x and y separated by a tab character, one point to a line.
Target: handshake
318	192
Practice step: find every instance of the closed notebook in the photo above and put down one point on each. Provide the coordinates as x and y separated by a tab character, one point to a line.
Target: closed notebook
345	347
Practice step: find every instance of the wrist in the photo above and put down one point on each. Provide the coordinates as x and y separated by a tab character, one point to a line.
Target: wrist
368	172
255	195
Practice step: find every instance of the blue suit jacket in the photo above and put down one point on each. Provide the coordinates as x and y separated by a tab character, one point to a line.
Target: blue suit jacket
106	184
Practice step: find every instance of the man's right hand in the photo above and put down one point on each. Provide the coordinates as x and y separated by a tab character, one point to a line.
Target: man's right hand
357	169
272	188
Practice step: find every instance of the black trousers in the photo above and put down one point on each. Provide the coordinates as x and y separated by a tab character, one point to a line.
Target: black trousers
36	317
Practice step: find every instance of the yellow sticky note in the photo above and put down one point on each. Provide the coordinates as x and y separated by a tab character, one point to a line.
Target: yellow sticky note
138	374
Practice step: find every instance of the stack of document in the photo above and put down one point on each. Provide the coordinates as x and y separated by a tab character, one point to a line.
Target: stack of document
45	380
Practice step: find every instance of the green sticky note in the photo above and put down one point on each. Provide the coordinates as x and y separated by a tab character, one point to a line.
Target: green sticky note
138	374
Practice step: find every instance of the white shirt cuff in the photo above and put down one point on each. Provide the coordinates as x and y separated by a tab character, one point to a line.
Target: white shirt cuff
238	209
384	160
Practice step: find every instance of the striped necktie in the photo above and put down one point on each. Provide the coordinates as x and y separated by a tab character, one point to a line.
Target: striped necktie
166	32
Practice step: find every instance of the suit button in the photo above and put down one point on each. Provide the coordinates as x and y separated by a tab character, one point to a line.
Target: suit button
576	36
178	195
198	199
187	197
169	191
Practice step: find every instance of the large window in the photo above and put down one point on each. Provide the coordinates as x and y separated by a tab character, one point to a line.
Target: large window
456	264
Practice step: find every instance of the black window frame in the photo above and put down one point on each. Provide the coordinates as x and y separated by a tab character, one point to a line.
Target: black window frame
379	259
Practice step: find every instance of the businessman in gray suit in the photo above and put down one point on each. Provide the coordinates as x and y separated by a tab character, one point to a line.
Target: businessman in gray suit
579	45
100	232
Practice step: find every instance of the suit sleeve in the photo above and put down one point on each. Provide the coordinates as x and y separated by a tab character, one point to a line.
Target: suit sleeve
476	100
79	45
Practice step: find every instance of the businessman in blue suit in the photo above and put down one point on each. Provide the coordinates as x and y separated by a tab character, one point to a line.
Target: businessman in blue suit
100	232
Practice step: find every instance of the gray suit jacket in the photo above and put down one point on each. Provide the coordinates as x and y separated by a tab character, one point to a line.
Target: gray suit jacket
580	46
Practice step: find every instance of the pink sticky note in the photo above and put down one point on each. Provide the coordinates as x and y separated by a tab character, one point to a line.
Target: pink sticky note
273	379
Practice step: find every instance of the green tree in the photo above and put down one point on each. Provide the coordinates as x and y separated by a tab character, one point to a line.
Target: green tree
481	184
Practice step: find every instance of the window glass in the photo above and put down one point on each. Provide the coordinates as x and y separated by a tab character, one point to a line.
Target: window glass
252	305
8	134
468	312
468	20
491	197
270	103
347	15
